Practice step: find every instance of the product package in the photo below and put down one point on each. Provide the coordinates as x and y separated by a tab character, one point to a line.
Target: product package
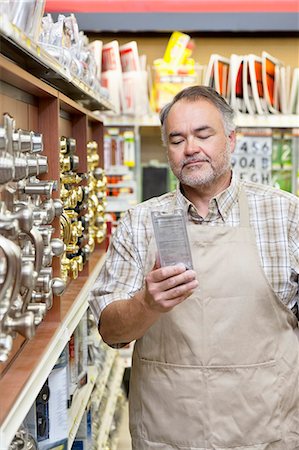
172	238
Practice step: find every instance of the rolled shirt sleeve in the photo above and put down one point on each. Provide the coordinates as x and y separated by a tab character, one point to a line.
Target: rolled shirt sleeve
122	274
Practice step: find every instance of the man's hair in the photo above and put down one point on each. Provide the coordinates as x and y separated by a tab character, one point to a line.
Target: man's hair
194	93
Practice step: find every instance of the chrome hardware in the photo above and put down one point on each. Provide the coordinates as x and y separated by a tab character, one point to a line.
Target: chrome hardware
28	275
27	209
6	343
58	286
39	188
39	310
23	218
21	141
6	168
58	206
43	297
37	142
37	165
57	247
23	441
22	324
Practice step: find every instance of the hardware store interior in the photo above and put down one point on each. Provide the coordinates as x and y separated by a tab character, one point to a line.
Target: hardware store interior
82	85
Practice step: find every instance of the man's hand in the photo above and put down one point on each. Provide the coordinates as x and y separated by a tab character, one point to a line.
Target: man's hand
165	287
168	286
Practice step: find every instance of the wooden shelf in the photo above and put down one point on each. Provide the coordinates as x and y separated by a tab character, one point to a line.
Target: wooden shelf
35	104
79	403
71	106
111	355
241	120
26	375
36	61
20	78
81	399
114	390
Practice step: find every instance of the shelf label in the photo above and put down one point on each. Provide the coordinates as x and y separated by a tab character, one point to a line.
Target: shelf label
251	159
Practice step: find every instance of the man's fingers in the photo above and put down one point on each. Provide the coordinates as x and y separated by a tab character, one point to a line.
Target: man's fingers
177	280
169	286
182	290
168	303
162	273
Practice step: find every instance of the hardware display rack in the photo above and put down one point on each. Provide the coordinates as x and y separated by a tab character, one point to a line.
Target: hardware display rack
41	96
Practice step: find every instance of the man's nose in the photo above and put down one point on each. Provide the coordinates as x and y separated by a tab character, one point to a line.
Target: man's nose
192	146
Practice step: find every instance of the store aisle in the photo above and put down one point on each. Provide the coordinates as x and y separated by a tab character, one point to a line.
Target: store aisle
124	442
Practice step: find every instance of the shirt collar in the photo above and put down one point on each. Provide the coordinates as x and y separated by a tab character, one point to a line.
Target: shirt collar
221	204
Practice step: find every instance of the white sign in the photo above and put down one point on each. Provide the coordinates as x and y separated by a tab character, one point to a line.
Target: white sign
251	159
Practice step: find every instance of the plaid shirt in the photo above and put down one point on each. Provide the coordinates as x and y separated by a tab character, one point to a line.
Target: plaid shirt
274	216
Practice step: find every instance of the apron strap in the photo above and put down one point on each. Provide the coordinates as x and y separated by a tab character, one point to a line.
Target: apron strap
244	209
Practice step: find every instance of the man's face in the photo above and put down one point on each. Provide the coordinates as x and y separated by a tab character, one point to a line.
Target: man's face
199	152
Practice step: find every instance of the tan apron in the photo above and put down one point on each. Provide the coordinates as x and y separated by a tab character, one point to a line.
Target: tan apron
221	370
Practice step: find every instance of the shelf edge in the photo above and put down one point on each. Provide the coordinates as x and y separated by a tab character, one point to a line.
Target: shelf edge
23	403
241	120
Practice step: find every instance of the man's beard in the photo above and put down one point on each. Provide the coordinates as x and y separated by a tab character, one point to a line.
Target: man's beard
202	176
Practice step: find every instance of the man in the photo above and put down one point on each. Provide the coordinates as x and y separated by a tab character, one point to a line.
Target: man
216	358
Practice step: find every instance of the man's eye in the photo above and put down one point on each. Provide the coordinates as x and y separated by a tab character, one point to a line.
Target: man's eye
176	142
203	137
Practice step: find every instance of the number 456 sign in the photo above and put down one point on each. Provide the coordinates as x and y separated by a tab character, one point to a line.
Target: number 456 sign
252	157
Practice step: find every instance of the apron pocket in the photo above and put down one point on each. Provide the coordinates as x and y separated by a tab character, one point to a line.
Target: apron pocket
244	404
172	404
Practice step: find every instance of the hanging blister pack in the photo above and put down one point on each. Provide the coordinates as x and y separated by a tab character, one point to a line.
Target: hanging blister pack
172	238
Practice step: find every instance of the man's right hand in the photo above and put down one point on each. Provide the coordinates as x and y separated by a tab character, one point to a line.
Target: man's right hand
128	320
169	286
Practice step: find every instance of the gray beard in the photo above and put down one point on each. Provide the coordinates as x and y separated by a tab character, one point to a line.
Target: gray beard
205	178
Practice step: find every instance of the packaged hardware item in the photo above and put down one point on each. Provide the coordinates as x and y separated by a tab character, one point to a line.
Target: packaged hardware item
218	74
46	420
172	238
270	77
95	48
129	57
176	48
26	15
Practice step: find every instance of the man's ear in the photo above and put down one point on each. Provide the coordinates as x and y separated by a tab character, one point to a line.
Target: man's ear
232	140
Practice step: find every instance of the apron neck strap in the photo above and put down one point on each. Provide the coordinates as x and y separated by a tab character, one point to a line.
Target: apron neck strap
244	209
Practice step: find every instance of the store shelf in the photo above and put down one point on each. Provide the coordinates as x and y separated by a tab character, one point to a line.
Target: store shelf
117	170
122	184
104	376
107	418
115	437
151	120
79	403
268	121
29	371
121	203
81	396
241	120
117	208
30	56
